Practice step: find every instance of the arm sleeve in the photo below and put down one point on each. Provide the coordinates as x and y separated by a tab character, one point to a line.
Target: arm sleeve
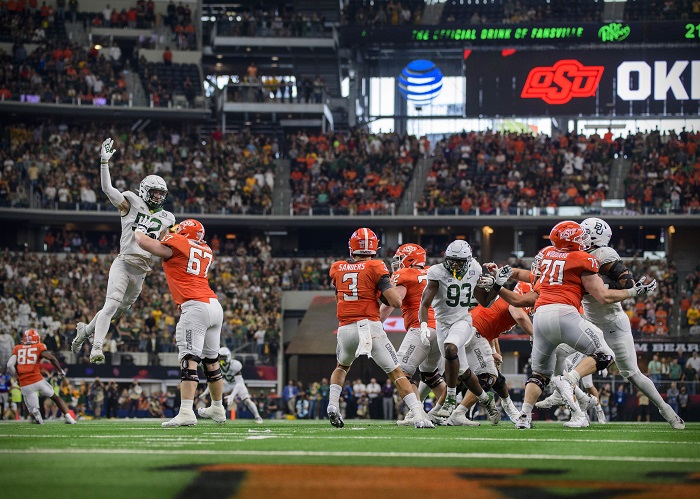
11	366
115	197
384	283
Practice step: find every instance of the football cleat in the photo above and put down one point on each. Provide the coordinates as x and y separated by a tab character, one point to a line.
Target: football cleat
447	408
407	420
673	419
259	420
334	416
577	421
183	418
523	421
600	414
96	354
69	419
422	420
510	409
80	337
460	419
36	416
493	411
218	414
554	400
587	402
566	390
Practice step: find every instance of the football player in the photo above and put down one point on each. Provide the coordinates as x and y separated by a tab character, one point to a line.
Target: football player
566	271
186	261
128	271
452	290
359	282
24	365
409	276
233	384
614	322
489	324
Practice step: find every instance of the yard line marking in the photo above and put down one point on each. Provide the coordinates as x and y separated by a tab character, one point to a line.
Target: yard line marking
408	455
212	437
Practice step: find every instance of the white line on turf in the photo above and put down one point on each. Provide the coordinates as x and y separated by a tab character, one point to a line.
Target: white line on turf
407	455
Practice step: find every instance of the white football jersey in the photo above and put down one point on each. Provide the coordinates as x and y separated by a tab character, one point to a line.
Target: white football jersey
157	223
232	372
595	311
455	297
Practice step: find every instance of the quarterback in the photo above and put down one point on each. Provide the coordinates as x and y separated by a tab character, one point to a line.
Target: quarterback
128	271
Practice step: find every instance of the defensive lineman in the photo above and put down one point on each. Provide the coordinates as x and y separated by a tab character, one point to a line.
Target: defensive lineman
614	322
128	271
233	383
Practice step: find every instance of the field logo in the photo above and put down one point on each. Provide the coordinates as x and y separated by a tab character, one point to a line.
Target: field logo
613	32
562	82
420	81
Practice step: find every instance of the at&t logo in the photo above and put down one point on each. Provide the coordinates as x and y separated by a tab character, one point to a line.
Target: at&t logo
420	81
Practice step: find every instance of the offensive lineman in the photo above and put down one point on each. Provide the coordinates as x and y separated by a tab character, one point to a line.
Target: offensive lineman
450	289
359	283
409	278
129	269
233	383
186	261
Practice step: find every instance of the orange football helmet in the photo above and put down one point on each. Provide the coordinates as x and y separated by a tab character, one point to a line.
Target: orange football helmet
191	229
408	255
30	337
363	242
569	236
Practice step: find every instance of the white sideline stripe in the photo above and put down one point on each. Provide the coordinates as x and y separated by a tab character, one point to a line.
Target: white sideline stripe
214	437
408	455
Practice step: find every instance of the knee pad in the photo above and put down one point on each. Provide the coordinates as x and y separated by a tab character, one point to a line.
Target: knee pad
187	374
465	376
451	352
539	379
215	375
486	380
602	360
432	379
500	382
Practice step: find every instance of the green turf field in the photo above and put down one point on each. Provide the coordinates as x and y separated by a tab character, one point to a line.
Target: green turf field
136	458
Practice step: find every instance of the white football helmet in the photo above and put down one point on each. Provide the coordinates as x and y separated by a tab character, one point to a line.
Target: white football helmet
458	256
153	190
224	355
599	231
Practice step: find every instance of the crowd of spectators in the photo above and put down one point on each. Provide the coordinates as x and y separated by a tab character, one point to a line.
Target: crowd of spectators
652	315
356	173
28	22
263	22
665	172
53	166
275	88
690	303
510	172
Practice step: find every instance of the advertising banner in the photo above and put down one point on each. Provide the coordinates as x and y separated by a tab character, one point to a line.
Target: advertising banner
654	82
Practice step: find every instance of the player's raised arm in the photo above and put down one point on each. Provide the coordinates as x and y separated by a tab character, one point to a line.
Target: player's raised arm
153	246
115	197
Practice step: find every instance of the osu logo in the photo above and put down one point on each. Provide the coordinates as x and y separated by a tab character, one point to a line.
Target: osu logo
562	82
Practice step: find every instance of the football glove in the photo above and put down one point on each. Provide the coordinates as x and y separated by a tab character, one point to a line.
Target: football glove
486	281
491	268
503	274
642	287
424	334
144	229
107	151
229	400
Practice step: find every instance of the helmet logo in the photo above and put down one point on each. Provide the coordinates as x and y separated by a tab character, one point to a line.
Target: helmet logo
568	234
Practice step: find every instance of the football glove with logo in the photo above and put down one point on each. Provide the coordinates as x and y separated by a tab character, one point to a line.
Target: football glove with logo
503	274
107	151
486	281
642	287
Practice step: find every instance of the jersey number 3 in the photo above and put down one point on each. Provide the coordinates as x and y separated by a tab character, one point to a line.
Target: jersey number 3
352	286
194	264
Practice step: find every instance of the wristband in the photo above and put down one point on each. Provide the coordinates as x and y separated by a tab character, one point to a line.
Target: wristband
632	292
104	163
497	287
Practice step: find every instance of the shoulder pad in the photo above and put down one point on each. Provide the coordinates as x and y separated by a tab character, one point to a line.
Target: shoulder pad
605	255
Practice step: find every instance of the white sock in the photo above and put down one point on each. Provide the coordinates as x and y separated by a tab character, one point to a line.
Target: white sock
647	387
460	408
573	377
412	402
527	408
252	408
483	397
91	326
580	394
423	390
217	403
436	408
186	405
452	392
334	396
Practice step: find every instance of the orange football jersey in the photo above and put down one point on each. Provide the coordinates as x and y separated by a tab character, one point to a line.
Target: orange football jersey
186	271
28	359
414	280
356	289
560	279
